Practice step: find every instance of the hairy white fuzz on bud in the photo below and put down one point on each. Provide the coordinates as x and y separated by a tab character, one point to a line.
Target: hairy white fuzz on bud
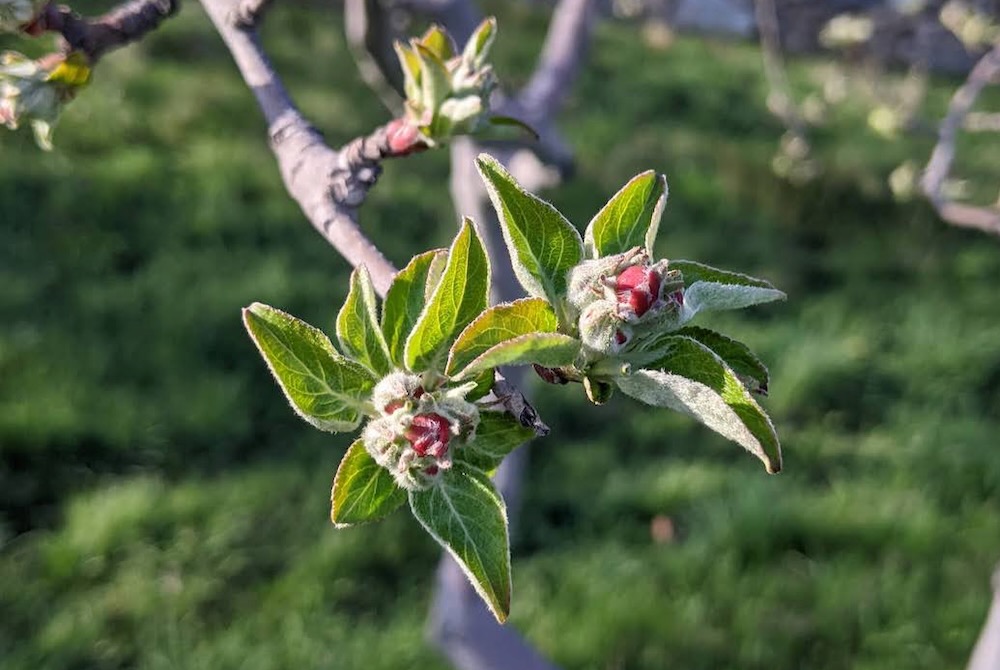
625	298
417	431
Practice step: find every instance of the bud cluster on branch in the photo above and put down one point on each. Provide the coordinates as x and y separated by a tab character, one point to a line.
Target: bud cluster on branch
419	368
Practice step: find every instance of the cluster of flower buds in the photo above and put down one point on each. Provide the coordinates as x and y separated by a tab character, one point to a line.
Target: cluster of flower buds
16	15
623	299
36	91
417	431
447	93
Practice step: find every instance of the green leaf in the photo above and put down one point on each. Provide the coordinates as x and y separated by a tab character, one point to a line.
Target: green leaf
543	245
74	71
324	388
693	380
497	434
410	64
484	384
439	42
709	288
405	300
434	79
358	328
511	122
362	489
630	218
459	297
551	350
434	273
477	49
736	355
464	512
499	324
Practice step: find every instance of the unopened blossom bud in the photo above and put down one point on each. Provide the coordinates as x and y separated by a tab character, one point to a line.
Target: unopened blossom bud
637	288
429	434
624	298
417	431
16	14
396	390
36	91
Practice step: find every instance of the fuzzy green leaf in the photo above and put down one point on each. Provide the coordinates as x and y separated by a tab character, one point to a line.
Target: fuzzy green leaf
630	218
324	388
358	328
434	79
434	274
751	371
477	49
405	300
693	380
460	296
499	324
497	434
362	489
501	121
552	350
439	42
543	245
709	288
736	355
466	515
410	64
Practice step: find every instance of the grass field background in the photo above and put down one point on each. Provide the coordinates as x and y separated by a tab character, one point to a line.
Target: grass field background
161	507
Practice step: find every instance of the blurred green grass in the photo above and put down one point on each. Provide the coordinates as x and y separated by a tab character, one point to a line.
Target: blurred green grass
162	508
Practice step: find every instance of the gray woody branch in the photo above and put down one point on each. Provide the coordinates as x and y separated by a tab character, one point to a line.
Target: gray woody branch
987	219
329	185
96	36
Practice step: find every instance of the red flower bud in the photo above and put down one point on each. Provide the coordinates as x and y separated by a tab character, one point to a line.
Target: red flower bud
429	434
638	287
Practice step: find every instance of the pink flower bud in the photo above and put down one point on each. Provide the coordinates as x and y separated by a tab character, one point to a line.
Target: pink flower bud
638	287
429	435
403	138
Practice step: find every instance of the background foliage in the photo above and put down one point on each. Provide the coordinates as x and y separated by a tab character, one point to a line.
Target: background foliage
162	508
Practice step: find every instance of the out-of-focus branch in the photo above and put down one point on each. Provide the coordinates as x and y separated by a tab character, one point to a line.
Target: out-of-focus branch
368	27
329	185
986	655
780	99
460	17
542	97
932	182
95	36
561	58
